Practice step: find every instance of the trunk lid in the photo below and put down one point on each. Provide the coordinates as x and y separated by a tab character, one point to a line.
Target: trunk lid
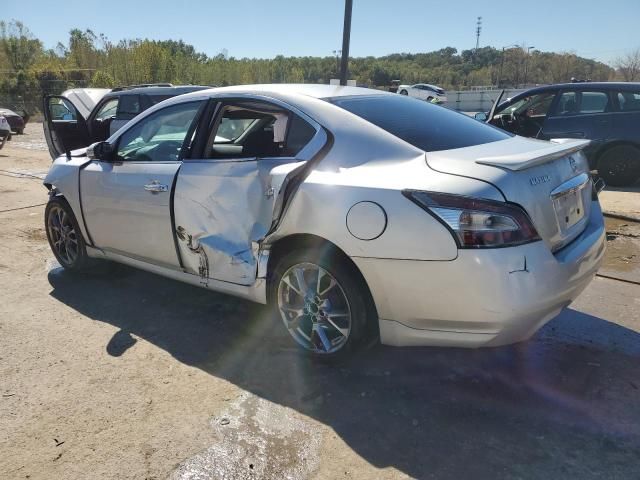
85	99
550	180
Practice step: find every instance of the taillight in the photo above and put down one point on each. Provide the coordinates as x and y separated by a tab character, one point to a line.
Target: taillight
477	223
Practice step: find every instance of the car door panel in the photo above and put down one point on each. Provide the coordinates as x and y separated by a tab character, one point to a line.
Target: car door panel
222	209
65	128
126	198
125	213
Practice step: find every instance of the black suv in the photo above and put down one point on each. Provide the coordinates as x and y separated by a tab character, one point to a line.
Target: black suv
82	116
607	113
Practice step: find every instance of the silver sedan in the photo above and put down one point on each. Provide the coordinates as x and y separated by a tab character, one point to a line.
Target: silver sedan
357	214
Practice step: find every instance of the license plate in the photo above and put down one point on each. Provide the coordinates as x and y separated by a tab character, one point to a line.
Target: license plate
569	208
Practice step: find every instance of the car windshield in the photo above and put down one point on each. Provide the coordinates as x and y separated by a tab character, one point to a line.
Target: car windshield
422	124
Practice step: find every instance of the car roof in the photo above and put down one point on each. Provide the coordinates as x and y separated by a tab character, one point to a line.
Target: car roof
284	91
583	86
175	90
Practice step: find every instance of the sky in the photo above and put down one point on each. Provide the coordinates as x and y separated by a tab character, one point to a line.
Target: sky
266	28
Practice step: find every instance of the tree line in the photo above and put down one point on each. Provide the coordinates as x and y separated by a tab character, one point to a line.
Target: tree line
88	59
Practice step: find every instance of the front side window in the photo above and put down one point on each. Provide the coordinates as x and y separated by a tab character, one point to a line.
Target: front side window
422	124
61	109
107	110
160	136
594	102
532	106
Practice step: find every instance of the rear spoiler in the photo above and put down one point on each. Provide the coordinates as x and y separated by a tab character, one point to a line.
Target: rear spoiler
559	147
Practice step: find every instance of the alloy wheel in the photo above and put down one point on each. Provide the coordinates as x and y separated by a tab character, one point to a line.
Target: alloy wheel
64	238
314	308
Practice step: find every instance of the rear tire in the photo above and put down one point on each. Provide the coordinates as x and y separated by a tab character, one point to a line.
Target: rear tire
20	131
322	302
619	166
64	235
404	92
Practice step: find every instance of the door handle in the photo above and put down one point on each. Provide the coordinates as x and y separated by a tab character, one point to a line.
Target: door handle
156	187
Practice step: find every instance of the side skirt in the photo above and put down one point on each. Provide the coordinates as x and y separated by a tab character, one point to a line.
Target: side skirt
255	293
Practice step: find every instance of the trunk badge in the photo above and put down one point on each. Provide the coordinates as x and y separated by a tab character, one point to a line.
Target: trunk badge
538	180
573	164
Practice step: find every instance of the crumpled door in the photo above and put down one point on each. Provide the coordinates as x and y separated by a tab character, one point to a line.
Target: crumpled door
223	208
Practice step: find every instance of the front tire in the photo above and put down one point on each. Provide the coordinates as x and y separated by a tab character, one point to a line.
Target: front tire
404	92
64	235
321	300
619	166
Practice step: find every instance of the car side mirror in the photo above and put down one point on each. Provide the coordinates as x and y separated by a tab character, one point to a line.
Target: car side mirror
481	116
103	151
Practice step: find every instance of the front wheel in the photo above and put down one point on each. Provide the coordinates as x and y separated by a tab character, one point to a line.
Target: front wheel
321	300
404	92
619	166
64	235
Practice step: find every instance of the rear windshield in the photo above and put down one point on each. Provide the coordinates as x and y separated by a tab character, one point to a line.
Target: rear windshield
422	124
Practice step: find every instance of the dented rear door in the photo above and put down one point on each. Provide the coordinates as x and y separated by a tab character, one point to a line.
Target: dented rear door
225	206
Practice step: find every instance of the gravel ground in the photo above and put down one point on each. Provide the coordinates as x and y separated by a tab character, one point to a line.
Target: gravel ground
122	374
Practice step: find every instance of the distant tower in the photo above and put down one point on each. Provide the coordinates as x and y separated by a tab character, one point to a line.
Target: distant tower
478	31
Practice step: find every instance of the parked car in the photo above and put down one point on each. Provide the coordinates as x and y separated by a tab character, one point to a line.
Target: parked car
354	212
16	122
423	91
606	113
5	131
393	88
81	116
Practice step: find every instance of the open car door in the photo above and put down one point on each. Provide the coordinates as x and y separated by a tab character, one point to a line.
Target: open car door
65	129
492	112
65	118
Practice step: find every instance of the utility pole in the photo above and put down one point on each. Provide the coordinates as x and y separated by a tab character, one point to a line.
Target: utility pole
502	63
337	55
346	37
526	63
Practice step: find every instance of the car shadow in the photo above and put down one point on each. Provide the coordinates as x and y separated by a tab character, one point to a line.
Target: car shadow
561	405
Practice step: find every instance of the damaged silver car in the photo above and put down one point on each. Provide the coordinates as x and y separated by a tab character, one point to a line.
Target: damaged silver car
356	213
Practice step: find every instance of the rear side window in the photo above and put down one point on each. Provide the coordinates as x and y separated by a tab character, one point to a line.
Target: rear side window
159	98
594	102
300	133
629	101
129	105
422	124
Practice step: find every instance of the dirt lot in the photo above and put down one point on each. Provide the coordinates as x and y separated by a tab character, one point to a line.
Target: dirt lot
122	374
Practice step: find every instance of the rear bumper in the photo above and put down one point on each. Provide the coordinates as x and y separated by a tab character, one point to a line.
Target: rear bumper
483	297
